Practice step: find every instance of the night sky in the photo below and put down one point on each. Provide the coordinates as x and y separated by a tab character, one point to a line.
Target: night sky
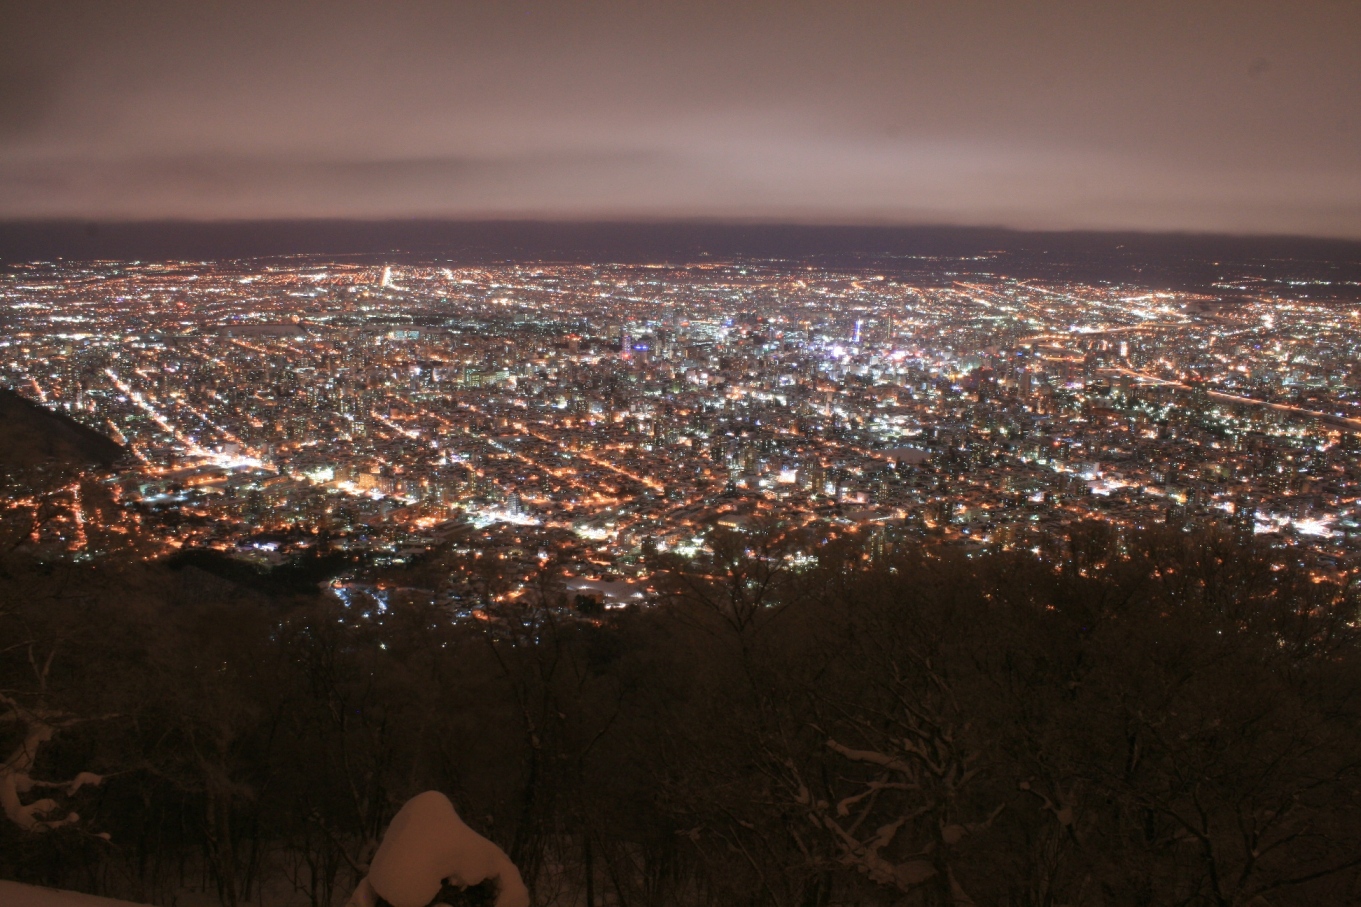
1239	117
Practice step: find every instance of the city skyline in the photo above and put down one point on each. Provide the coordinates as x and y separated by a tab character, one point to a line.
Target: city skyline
578	421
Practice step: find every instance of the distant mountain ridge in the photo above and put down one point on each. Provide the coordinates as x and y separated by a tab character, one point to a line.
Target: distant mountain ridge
32	436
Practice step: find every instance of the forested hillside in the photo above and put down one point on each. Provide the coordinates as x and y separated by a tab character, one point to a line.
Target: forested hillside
1164	718
32	437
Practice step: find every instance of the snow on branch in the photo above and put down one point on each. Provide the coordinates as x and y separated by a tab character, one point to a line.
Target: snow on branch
16	778
913	799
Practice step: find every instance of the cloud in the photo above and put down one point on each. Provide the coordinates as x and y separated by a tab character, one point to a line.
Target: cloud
26	97
1051	113
256	185
850	180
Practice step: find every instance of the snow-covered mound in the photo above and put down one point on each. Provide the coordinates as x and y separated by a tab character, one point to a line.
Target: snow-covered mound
12	894
426	844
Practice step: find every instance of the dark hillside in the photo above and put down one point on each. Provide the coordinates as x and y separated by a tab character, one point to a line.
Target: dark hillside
32	436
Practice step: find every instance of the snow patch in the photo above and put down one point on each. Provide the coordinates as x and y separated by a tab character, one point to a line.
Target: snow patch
427	844
12	894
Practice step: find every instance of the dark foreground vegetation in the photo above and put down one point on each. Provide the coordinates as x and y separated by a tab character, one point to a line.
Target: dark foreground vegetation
1165	718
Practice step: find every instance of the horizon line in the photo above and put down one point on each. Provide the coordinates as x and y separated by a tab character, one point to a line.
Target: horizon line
99	222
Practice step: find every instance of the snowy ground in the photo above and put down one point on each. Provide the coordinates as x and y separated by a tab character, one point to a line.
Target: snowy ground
12	894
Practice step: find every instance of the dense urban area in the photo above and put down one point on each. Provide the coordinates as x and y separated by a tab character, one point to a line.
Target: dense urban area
597	414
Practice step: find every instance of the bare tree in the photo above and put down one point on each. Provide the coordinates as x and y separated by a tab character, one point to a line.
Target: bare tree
31	722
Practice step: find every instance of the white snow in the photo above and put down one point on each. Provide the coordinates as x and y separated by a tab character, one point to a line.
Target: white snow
39	727
12	894
426	844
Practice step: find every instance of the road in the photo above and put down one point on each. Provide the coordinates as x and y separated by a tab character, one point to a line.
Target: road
1330	418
